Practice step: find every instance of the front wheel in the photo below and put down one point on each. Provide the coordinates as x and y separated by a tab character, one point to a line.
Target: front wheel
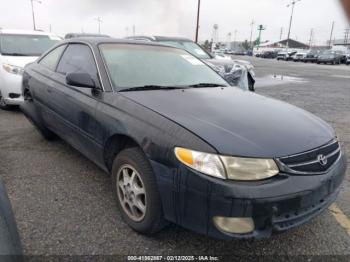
136	191
3	104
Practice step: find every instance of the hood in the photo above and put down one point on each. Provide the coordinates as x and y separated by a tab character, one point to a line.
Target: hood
239	123
20	61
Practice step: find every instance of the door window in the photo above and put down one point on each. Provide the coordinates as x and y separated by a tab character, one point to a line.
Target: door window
78	58
51	59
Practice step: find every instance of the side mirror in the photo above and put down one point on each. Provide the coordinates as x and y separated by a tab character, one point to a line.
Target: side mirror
80	80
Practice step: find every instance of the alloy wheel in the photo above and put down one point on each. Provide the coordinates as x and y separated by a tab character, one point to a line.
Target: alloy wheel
131	192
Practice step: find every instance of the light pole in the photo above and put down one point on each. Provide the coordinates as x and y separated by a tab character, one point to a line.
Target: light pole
197	26
251	32
99	21
260	29
292	4
235	38
33	16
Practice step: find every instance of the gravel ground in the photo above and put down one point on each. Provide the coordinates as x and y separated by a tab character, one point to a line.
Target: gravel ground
64	206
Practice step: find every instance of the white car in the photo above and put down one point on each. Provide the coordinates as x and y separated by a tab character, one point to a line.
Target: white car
18	48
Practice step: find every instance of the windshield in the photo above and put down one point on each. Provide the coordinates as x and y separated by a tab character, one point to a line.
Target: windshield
146	65
190	47
328	53
25	45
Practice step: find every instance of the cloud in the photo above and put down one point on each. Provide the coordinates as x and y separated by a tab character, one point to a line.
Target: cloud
177	17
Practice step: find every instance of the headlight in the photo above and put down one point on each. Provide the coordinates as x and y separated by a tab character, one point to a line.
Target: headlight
208	164
225	167
12	69
239	168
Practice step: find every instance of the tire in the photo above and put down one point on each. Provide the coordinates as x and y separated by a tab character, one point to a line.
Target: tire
133	161
251	84
3	104
10	243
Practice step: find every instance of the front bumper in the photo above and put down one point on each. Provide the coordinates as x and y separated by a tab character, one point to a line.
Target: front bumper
11	88
191	199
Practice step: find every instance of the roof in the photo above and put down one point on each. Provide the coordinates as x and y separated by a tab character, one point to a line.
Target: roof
71	35
24	32
106	40
283	43
161	38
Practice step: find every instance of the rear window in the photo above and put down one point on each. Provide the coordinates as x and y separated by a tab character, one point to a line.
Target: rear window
25	45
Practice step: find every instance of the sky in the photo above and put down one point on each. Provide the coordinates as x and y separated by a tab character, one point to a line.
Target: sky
178	18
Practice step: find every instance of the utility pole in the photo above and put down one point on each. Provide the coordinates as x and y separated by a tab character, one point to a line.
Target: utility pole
260	29
99	21
292	4
251	32
33	16
330	39
235	38
197	26
346	36
311	37
281	33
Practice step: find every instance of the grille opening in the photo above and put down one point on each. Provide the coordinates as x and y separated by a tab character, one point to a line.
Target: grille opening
14	95
314	161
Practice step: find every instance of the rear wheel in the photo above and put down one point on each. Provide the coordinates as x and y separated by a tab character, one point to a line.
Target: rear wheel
136	191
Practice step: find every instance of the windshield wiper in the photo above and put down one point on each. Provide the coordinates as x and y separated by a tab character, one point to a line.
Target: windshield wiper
151	87
207	85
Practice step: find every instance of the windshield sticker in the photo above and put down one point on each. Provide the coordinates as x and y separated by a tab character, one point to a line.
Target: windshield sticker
192	60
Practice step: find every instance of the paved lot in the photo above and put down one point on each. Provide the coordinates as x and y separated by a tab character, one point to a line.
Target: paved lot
63	202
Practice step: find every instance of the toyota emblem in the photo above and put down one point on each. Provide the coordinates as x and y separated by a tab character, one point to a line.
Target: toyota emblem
322	160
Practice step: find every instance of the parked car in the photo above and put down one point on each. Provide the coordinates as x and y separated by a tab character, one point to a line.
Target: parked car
10	243
330	57
286	56
311	56
77	35
236	72
180	143
17	48
298	57
269	54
